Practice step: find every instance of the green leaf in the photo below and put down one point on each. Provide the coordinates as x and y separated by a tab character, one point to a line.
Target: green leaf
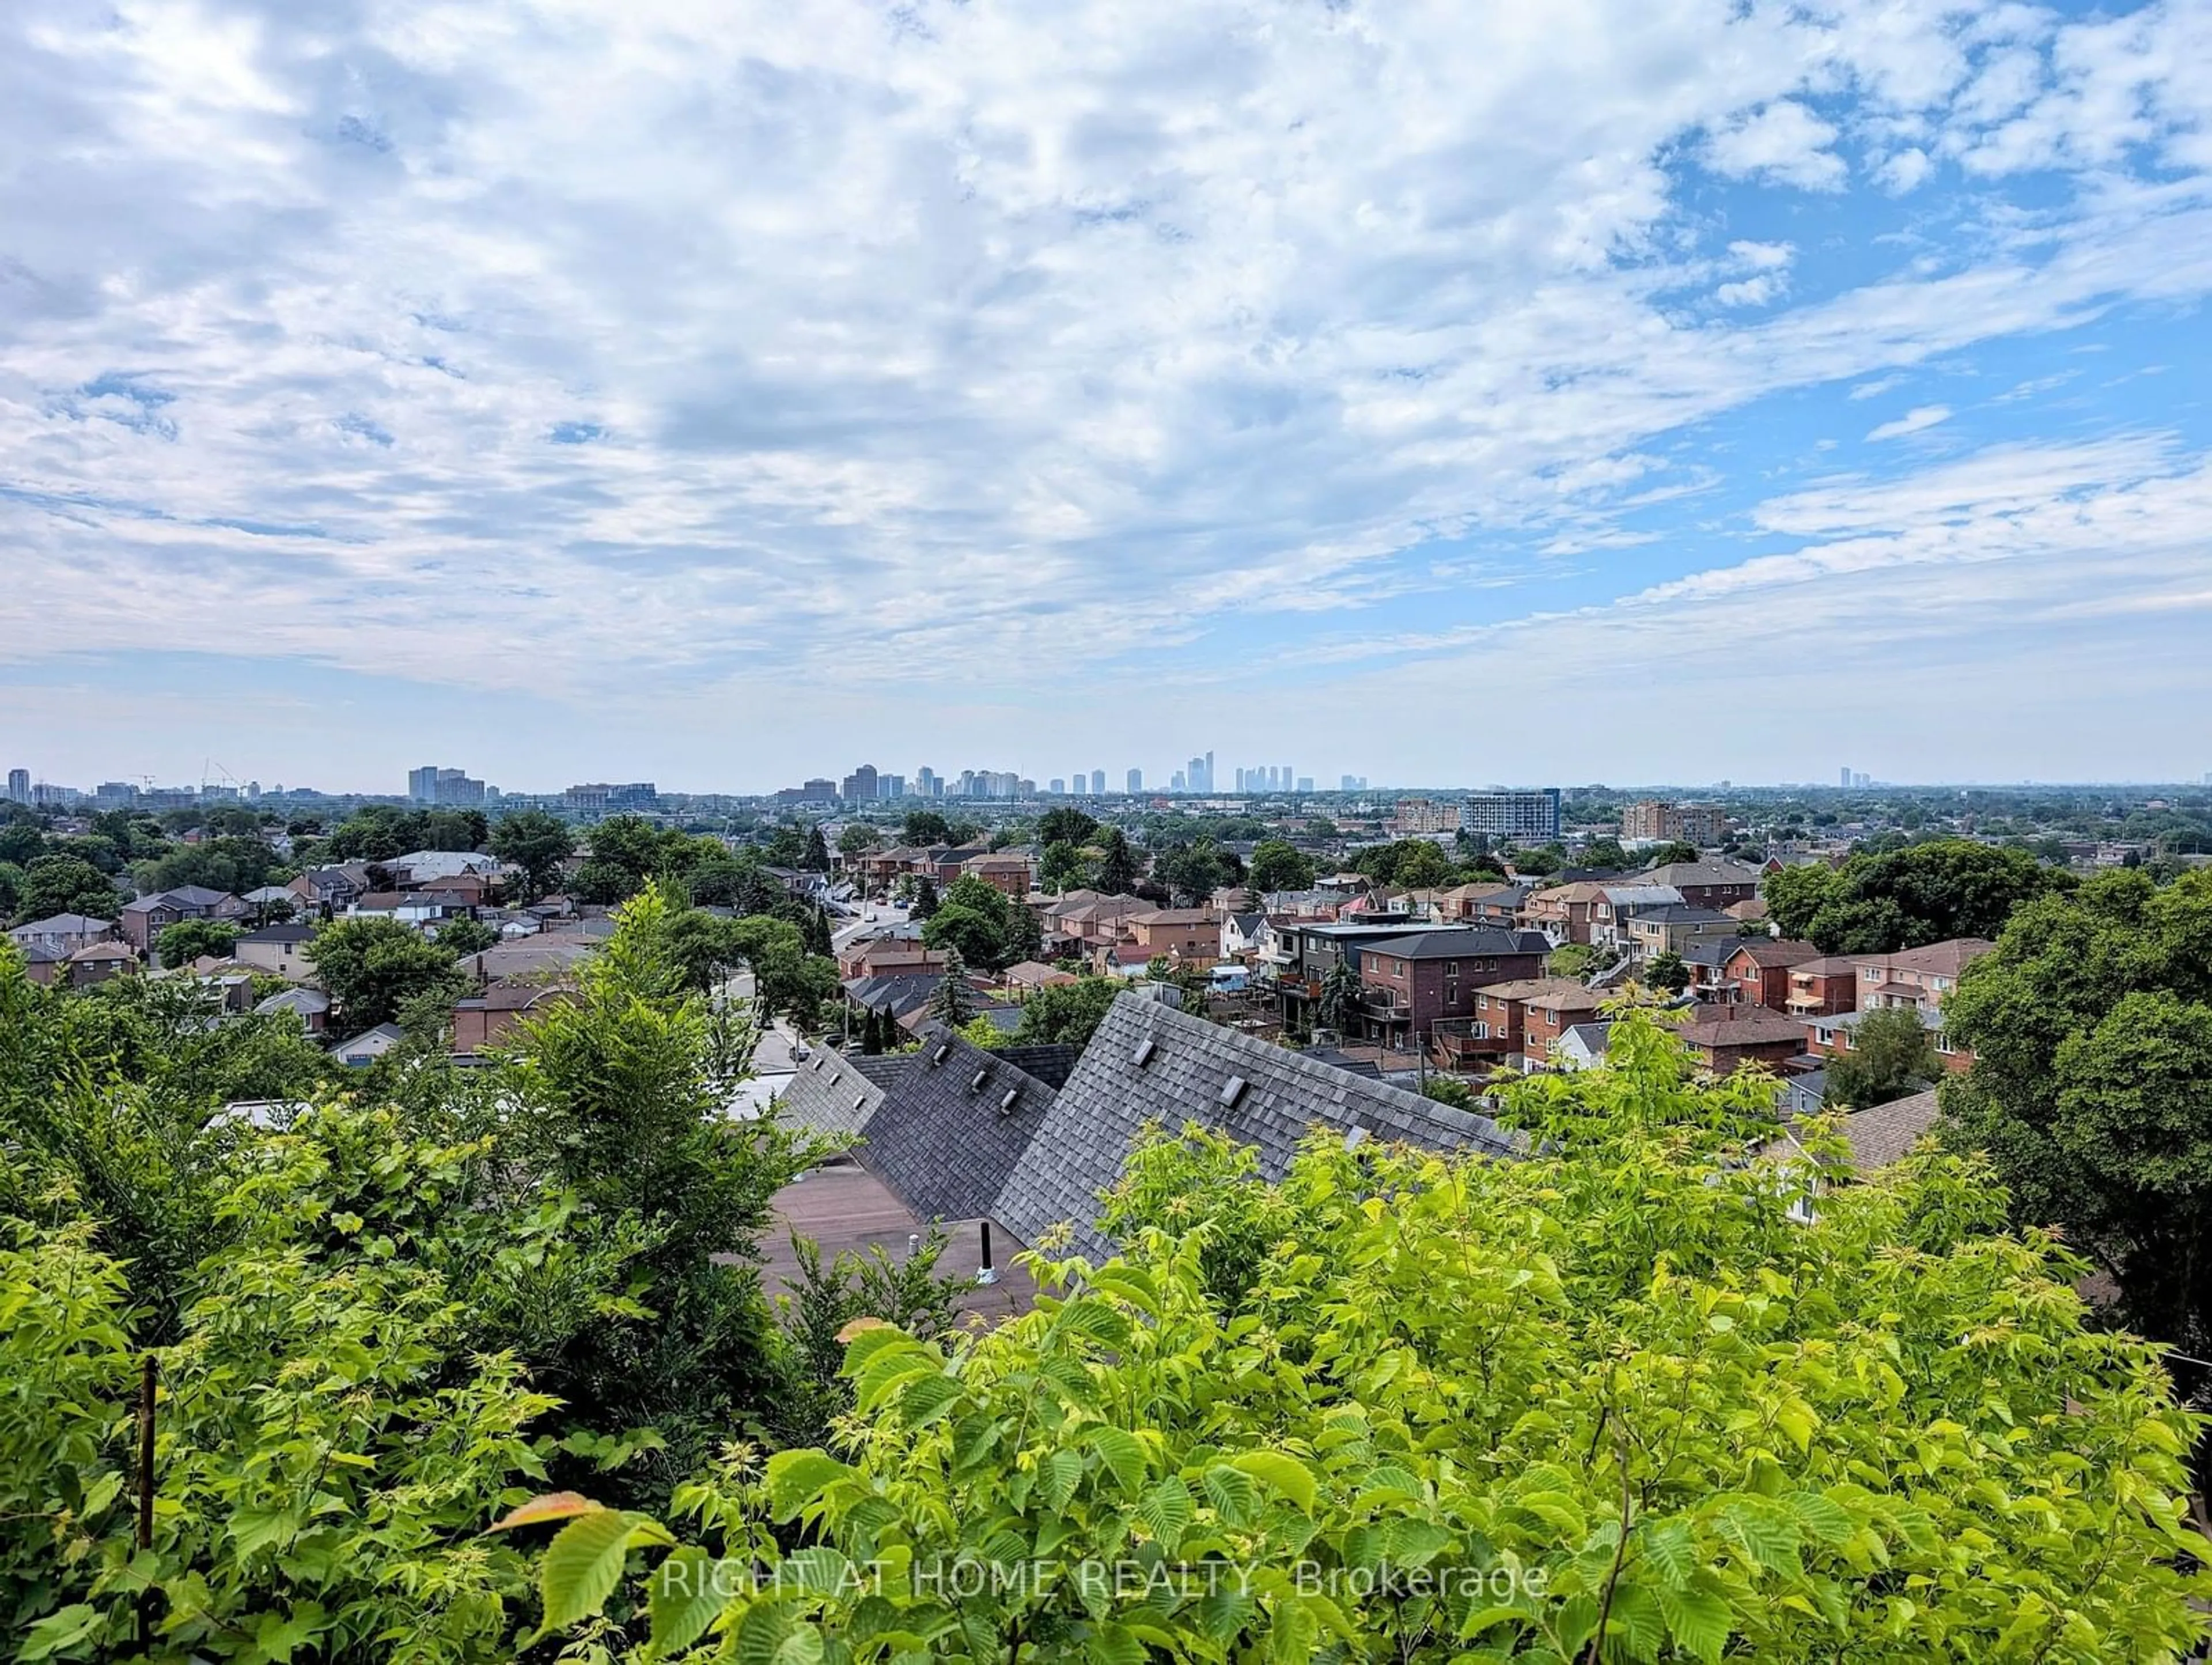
683	1594
1634	1621
584	1563
1166	1511
56	1630
796	1479
1058	1475
818	1571
1232	1491
1122	1453
1697	1620
1286	1474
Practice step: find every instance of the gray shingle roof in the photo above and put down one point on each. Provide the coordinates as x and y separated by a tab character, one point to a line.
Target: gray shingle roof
1082	1139
952	1128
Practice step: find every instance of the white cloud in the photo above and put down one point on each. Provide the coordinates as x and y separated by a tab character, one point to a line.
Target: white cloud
1785	142
606	353
1906	171
1912	421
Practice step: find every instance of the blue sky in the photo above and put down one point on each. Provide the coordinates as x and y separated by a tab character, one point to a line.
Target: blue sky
1653	392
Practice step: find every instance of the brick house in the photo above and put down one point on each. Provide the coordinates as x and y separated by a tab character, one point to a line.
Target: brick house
489	1016
1758	972
1503	1022
1707	883
1727	1038
1004	871
1821	987
1413	981
1565	912
144	920
98	961
1918	978
1191	936
876	956
1488	902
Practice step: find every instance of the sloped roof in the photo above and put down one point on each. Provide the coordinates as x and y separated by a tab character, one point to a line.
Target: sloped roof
61	925
1696	873
952	1128
1459	942
1880	1136
1755	1027
1082	1139
831	1092
1776	951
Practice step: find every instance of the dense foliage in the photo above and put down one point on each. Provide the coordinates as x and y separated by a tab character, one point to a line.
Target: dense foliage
372	1319
2091	1025
1611	1402
1907	899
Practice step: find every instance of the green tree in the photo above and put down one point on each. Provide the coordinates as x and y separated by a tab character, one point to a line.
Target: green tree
2088	1024
63	884
706	948
189	939
925	901
1117	864
535	843
1279	865
622	1097
816	859
1066	1014
1063	868
1341	994
1065	824
232	865
952	1002
1571	959
1670	854
1891	1054
858	839
1908	897
465	936
372	967
927	827
1193	871
1605	853
1707	1429
1667	971
21	843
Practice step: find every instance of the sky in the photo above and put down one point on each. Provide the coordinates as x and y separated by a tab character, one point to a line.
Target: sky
718	395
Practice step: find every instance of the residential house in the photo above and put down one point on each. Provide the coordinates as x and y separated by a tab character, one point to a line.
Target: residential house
1006	872
1487	901
428	870
310	1005
335	888
417	908
1758	972
1672	927
1821	987
143	920
1306	951
96	962
1413	981
1915	978
1707	883
1565	912
1243	937
1582	1047
541	957
489	1017
1026	977
365	1048
1189	936
43	965
1727	1038
278	949
1500	1030
961	1134
64	933
900	949
1619	903
1545	1017
1090	926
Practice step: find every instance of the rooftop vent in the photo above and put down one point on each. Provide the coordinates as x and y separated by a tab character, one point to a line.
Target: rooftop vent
1143	1055
981	1076
860	1103
943	1052
1006	1104
1232	1091
1355	1139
